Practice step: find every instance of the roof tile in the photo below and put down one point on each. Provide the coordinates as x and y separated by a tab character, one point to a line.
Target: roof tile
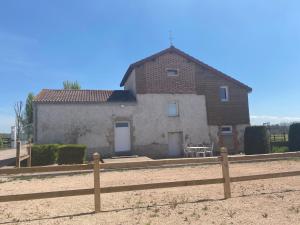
92	96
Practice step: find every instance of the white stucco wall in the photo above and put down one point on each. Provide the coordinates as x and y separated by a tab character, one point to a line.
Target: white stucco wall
93	124
131	83
240	129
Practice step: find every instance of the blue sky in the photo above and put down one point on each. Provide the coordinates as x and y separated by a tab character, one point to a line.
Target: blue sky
43	43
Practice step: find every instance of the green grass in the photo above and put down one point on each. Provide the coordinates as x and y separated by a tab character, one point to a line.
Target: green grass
277	149
279	137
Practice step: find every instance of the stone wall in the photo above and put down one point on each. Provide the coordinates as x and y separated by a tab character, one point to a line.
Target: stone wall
93	124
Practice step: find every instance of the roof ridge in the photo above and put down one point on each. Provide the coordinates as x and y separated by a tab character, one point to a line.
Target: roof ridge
47	89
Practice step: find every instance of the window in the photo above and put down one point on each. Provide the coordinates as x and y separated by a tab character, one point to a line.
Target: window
172	72
122	124
226	129
224	94
173	109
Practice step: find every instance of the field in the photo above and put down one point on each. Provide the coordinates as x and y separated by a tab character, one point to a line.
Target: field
272	201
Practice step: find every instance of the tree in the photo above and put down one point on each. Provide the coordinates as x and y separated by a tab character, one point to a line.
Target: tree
71	85
294	137
19	118
1	142
29	109
28	116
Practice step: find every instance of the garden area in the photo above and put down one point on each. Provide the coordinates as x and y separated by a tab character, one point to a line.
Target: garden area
260	140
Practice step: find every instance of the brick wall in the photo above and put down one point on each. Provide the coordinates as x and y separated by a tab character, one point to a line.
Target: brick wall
152	76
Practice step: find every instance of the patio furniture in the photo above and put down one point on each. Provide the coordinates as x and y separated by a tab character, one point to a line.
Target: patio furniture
199	150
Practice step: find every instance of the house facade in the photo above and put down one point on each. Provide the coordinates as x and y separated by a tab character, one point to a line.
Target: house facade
169	99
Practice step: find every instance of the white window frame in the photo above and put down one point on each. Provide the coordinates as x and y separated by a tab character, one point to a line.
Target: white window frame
227	93
169	75
177	109
226	132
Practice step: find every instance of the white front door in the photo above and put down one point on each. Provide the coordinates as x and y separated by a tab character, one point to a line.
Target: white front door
175	143
122	137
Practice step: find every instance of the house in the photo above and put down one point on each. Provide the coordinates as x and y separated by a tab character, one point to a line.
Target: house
169	99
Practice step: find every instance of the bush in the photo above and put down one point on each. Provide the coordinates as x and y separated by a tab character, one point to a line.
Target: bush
71	154
294	137
45	154
256	140
1	142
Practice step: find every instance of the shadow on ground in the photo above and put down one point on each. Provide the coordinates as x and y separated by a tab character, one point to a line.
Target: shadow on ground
143	207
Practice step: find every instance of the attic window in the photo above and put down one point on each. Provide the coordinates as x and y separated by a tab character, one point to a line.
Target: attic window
172	72
224	94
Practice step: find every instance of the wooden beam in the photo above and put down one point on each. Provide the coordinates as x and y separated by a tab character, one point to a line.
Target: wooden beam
264	156
225	172
96	158
161	162
43	169
264	176
138	187
54	194
18	152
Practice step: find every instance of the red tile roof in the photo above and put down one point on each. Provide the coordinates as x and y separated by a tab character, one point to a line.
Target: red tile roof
92	96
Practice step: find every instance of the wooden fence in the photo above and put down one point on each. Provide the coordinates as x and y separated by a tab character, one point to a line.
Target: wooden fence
96	166
19	157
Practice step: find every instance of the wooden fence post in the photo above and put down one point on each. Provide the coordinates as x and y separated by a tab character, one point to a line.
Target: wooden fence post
29	153
96	158
225	171
18	152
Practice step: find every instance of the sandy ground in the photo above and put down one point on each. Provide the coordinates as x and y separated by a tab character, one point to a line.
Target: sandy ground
272	201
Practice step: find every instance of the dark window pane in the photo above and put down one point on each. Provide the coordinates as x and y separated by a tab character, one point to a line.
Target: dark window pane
121	124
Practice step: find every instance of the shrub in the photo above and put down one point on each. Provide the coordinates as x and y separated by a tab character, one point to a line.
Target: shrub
45	154
256	140
1	142
71	154
294	137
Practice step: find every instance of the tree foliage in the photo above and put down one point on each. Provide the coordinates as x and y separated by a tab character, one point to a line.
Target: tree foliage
1	141
71	85
29	109
256	140
294	137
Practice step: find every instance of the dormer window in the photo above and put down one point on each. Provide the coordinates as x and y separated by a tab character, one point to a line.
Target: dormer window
172	72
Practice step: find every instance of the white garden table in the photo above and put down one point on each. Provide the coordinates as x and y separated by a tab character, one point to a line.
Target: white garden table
199	150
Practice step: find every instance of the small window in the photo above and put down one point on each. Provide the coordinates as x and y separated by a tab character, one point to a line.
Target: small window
172	72
224	94
122	124
173	109
226	129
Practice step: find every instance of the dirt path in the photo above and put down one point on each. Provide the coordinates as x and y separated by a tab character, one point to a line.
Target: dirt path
273	201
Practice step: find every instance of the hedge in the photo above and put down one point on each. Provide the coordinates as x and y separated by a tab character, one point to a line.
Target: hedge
294	137
48	154
256	140
71	154
44	154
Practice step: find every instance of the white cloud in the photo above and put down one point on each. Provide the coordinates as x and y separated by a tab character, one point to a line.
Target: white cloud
260	119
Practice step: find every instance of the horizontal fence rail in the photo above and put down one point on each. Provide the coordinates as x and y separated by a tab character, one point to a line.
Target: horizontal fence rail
45	169
146	163
263	156
98	190
42	195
